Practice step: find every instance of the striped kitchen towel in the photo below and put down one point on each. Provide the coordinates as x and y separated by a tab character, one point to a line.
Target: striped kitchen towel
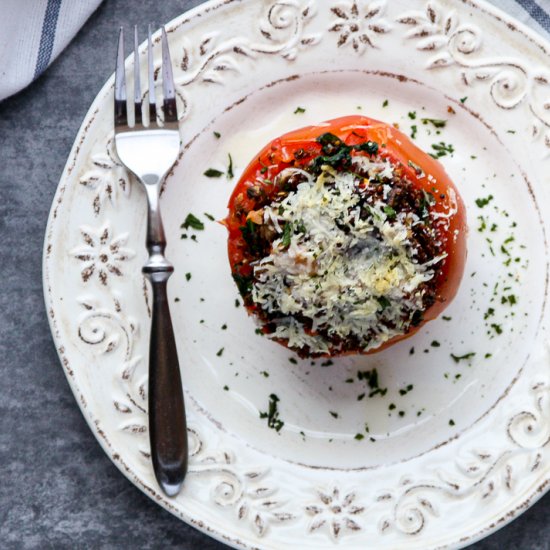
34	32
533	13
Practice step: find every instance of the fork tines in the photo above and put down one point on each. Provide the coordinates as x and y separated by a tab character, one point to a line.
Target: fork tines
169	101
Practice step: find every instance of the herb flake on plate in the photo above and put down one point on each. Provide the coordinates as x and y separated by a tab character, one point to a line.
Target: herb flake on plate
213	173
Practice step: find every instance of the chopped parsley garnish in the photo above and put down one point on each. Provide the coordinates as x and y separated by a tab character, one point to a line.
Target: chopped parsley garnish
287	234
336	153
435	344
496	328
220	352
386	103
209	216
299	110
226	388
188	276
371	147
244	284
414	131
272	414
483	225
442	149
451	422
465	357
224	327
217	135
371	378
293	360
384	302
264	167
359	437
330	143
412	115
213	173
193	222
489	313
230	173
484	202
463	99
406	390
333	414
390	212
490	246
436	122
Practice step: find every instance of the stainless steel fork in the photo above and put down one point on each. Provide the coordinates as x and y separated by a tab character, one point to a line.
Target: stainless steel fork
150	151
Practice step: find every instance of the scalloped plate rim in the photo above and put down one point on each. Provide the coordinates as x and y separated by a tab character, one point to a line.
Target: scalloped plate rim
211	5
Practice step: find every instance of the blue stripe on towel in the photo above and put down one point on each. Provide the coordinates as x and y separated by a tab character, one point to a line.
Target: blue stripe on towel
48	36
536	12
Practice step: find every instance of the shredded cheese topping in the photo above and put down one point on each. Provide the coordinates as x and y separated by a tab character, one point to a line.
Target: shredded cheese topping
351	274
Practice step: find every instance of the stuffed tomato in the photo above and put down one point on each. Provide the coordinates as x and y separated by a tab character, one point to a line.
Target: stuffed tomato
344	237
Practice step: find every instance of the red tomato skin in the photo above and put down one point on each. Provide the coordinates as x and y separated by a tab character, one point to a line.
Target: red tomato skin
400	151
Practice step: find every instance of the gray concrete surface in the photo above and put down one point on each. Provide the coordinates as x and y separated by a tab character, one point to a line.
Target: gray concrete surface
57	488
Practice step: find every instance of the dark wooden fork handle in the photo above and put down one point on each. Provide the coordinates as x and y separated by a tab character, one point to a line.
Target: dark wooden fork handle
167	423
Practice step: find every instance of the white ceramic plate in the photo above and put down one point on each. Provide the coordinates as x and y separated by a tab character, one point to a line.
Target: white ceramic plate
467	448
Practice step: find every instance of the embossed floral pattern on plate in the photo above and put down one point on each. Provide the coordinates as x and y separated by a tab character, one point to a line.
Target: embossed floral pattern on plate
239	494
